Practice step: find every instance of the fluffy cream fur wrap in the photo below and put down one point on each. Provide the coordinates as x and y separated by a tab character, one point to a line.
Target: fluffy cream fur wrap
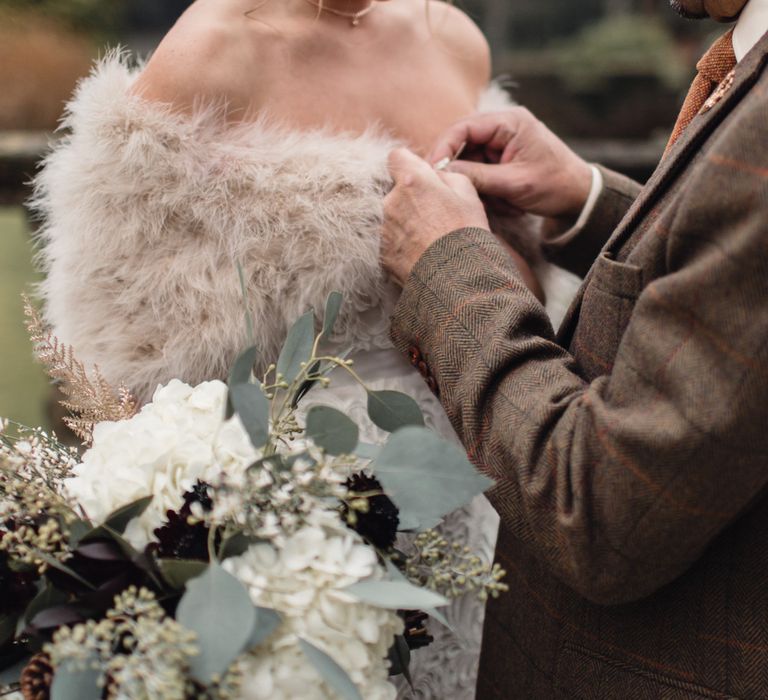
147	214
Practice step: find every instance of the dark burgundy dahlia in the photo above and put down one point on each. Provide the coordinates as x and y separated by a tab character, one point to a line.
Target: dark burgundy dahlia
177	539
379	523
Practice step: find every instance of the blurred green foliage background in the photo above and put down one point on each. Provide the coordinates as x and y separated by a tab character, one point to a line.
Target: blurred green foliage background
93	16
23	388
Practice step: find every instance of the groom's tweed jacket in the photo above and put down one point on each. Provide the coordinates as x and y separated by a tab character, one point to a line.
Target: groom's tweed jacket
631	451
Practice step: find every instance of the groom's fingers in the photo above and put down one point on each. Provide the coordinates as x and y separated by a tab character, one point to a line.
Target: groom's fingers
489	180
406	167
460	184
492	131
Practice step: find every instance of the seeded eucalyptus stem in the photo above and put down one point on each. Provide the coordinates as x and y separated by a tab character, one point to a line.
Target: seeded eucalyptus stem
49	442
283	420
212	532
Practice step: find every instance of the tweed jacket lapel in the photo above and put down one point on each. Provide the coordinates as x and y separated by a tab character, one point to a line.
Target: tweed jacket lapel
747	72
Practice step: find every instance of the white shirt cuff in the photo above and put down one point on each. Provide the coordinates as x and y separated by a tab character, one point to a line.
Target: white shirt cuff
594	193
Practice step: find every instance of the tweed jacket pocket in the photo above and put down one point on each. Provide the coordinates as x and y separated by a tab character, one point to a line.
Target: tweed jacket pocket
610	296
589	675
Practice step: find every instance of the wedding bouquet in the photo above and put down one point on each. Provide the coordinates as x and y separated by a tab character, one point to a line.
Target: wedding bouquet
221	542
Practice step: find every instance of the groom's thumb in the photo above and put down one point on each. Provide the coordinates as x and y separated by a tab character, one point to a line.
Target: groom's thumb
491	180
406	168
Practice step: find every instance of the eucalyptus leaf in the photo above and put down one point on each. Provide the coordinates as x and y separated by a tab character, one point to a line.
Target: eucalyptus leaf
391	410
297	348
400	659
242	369
267	621
252	406
240	374
396	575
332	307
77	531
52	618
56	564
345	354
435	614
130	552
395	595
246	307
408	523
74	683
332	430
177	572
426	476
47	597
118	520
101	550
328	368
307	385
217	608
139	559
366	450
333	674
236	544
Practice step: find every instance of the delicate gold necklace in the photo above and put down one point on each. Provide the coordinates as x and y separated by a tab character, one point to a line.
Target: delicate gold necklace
353	17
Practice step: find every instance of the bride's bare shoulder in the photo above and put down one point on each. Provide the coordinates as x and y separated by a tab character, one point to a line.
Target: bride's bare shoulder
460	38
198	60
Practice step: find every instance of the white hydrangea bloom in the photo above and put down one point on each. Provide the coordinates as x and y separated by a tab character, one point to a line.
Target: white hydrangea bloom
174	441
180	438
303	580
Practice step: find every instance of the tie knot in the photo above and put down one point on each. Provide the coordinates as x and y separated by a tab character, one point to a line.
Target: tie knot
719	60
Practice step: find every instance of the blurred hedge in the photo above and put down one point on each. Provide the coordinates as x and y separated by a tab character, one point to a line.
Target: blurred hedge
23	386
91	16
621	45
40	62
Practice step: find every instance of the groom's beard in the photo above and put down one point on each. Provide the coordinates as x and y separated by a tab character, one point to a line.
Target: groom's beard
683	12
719	10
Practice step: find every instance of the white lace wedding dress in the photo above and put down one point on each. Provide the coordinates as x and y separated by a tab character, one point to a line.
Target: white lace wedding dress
447	669
147	216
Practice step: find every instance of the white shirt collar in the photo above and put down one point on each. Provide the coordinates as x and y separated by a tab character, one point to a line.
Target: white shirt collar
750	28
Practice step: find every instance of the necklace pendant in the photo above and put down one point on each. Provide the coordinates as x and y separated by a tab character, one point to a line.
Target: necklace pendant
355	21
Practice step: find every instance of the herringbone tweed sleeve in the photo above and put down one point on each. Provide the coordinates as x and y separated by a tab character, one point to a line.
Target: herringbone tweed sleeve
621	482
576	247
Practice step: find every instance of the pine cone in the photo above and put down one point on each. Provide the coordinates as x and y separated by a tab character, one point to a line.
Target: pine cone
36	678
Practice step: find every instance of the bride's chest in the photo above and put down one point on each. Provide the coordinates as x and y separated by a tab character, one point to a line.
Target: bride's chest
413	103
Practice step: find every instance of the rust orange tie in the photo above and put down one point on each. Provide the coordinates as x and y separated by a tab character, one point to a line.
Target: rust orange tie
712	69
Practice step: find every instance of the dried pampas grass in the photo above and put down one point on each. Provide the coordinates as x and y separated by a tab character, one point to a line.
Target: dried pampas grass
89	398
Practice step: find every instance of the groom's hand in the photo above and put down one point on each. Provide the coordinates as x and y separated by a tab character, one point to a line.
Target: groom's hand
512	156
422	207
